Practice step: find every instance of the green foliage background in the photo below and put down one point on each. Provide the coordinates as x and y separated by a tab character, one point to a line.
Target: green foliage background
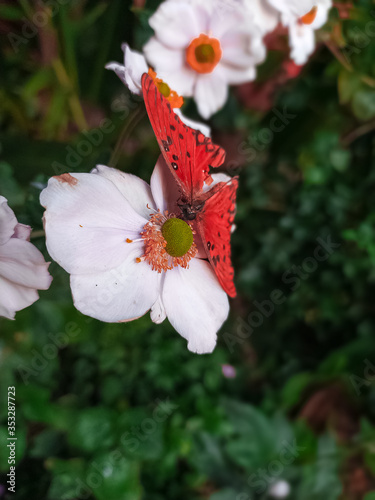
304	376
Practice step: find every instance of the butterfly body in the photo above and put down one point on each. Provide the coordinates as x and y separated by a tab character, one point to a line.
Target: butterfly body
209	205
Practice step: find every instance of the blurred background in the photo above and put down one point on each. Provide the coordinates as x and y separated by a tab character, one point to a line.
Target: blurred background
285	406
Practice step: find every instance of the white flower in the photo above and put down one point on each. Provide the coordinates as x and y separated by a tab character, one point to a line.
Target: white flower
130	73
127	255
302	33
279	489
23	269
200	49
301	17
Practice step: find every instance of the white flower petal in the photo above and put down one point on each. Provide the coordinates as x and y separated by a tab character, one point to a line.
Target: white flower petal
170	66
121	294
136	191
265	17
223	21
210	94
87	222
162	57
324	7
158	313
23	264
202	127
8	221
195	304
131	72
15	297
242	50
292	9
176	24
164	187
22	232
236	76
302	42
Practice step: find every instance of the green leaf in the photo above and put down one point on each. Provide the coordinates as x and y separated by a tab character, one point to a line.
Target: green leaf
364	104
116	477
141	435
93	429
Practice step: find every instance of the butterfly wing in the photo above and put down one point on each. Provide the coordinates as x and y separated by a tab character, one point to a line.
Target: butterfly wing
188	153
215	224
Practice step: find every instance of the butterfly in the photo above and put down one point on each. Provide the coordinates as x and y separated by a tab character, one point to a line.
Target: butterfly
189	156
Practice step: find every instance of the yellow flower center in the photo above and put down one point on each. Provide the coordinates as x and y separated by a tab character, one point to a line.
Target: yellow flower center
178	235
175	100
203	54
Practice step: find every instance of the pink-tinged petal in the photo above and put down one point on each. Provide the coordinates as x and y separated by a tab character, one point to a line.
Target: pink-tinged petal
176	24
15	297
87	223
164	187
210	94
121	294
241	49
23	264
195	304
136	191
158	313
234	75
22	232
8	221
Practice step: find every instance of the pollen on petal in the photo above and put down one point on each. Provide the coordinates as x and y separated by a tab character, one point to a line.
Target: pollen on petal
128	240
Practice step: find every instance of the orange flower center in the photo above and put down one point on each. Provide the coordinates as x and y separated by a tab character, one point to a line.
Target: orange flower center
309	18
167	242
175	100
203	54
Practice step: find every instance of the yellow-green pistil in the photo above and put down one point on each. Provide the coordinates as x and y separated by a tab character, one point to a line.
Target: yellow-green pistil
205	53
178	235
164	89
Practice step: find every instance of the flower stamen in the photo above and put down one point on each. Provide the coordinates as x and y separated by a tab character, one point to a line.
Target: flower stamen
175	100
169	242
